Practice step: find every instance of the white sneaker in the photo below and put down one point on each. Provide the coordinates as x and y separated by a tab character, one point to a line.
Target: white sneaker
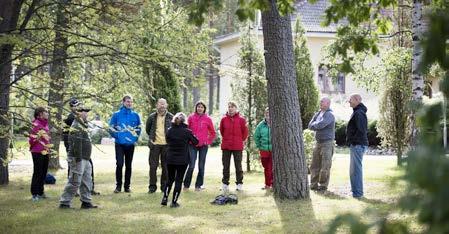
239	187
225	188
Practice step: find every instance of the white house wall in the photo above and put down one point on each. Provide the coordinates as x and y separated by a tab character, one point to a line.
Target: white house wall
316	41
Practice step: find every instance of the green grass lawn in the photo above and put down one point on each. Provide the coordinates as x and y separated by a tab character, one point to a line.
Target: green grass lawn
140	212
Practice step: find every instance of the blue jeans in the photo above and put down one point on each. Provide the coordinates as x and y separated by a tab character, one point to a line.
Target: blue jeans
356	170
201	153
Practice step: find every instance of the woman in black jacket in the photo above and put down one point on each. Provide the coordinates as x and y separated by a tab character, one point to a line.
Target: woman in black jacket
178	138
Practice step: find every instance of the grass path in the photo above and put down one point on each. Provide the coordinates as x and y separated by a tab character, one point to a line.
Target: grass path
139	212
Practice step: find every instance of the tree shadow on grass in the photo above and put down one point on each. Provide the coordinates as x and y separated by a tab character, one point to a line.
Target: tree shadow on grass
298	216
330	195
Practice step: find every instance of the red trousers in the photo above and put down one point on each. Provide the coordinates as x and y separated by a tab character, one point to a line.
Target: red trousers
267	163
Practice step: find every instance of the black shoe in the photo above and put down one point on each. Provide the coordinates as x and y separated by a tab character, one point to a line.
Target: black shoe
117	190
174	205
321	189
127	190
315	188
94	193
77	194
152	189
164	201
64	206
88	205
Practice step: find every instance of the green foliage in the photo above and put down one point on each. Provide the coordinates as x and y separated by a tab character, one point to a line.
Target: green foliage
340	133
373	135
394	107
199	10
250	86
427	169
168	88
309	144
98	135
365	22
307	90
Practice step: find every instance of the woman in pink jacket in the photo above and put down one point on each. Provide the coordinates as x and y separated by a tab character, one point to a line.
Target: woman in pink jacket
202	127
39	140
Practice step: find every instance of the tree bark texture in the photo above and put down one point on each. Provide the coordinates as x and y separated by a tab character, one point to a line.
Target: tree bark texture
211	75
290	171
9	15
417	75
58	73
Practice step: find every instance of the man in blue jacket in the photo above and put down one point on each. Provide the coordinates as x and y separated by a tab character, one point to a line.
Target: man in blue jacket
357	138
124	126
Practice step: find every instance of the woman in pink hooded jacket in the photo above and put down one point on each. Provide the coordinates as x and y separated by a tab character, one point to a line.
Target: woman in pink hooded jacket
202	127
39	140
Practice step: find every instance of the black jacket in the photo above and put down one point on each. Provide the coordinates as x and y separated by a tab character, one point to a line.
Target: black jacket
79	139
151	126
178	138
357	129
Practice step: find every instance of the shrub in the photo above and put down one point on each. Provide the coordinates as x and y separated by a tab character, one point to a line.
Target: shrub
309	143
98	135
373	135
340	133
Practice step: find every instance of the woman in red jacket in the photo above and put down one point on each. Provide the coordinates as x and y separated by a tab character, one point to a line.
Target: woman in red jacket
39	140
202	127
234	132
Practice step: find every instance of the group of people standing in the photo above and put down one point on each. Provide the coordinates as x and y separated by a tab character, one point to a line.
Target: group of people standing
176	142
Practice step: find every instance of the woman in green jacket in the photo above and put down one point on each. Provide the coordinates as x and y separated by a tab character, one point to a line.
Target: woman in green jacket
262	137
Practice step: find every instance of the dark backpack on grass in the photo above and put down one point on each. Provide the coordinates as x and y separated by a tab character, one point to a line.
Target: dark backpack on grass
50	179
225	199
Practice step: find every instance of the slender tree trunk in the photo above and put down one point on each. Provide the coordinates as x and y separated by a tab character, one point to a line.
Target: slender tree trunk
211	73
290	170
58	73
9	15
417	76
250	108
218	92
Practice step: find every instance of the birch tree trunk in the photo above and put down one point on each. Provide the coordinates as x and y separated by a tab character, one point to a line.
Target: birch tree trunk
417	76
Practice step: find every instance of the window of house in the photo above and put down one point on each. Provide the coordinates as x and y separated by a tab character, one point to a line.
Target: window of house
328	84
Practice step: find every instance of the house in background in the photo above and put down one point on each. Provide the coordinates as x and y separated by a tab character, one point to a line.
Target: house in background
311	15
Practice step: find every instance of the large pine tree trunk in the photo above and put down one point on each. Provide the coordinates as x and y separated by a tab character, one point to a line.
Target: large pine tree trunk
9	15
290	171
417	76
58	72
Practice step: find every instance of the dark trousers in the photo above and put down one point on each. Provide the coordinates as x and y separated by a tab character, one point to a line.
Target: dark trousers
201	152
175	174
123	154
158	152
226	159
40	168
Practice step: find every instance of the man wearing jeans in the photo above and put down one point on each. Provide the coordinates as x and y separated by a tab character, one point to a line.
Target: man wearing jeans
323	122
357	138
234	131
